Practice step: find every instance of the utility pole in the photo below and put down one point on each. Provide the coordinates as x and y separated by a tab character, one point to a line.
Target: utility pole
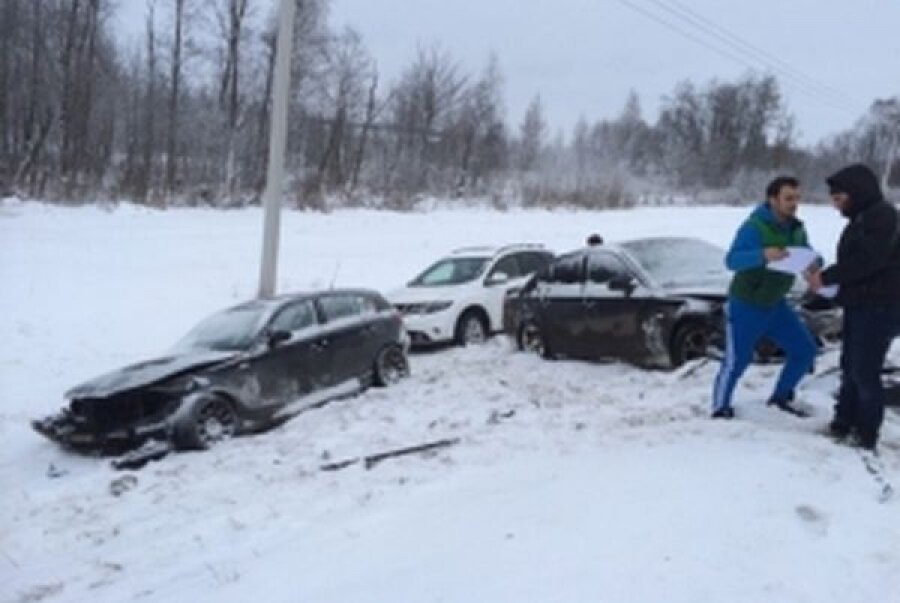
277	141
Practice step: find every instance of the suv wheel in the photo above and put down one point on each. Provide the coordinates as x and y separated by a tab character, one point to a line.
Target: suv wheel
471	329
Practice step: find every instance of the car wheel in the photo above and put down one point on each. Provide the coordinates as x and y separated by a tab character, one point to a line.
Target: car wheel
531	339
766	352
471	329
691	341
391	365
208	421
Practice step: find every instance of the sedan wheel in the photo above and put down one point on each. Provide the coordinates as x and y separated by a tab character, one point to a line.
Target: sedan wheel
210	421
531	340
691	342
391	365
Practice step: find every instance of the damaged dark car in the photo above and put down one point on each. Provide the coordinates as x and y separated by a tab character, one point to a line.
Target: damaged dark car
241	370
654	302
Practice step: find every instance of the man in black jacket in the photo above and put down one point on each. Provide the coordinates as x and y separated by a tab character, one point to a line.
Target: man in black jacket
867	273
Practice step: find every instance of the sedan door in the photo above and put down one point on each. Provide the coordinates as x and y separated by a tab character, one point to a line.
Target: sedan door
282	368
614	308
558	302
347	337
306	359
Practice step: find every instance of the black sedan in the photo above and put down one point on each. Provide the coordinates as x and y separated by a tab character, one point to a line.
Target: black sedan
241	370
651	301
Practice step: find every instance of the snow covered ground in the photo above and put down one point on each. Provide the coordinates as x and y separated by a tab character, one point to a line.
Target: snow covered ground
571	482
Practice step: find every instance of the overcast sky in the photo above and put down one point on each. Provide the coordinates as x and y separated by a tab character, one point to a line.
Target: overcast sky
833	57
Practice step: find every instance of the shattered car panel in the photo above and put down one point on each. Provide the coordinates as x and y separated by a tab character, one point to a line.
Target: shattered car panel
259	363
146	373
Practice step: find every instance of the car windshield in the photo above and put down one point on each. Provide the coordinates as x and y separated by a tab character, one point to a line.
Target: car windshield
677	263
230	330
452	271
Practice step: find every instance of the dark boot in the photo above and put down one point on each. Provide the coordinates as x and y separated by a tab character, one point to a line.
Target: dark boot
723	413
786	405
865	440
838	429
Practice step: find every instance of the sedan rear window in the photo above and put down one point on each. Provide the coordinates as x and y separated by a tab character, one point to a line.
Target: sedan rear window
343	306
567	269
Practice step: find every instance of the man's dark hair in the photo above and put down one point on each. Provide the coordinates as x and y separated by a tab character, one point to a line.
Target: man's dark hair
594	239
779	183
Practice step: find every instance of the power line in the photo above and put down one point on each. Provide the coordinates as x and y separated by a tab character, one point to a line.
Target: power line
686	34
738	43
740	58
762	52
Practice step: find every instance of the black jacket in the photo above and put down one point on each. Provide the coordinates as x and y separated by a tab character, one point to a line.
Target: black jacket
868	254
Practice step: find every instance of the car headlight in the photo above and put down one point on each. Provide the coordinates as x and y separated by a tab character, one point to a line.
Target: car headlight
183	385
438	306
424	307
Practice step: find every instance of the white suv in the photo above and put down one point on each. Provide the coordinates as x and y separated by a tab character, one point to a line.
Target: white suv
460	297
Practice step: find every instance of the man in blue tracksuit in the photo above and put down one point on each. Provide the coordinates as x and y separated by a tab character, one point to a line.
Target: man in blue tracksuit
756	306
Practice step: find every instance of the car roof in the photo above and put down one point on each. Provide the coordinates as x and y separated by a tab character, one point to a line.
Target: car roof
623	245
661	239
493	250
286	298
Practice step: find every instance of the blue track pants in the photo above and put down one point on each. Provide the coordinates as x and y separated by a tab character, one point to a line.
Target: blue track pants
745	325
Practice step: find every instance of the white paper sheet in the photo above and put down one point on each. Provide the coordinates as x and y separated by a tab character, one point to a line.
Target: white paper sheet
829	291
798	259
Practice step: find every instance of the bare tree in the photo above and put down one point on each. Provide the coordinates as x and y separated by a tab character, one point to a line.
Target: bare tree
532	135
148	146
423	107
9	21
30	109
174	91
368	122
482	137
343	92
886	125
231	17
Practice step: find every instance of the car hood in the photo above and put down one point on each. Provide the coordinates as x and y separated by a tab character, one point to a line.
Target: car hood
701	291
146	373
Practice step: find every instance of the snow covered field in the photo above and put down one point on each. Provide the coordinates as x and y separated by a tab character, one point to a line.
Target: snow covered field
572	482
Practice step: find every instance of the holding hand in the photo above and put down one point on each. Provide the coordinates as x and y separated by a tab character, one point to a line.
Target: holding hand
773	254
813	279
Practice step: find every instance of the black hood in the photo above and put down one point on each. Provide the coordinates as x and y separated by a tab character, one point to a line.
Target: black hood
860	183
146	373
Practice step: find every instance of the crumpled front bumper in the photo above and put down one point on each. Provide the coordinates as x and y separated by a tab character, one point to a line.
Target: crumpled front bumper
72	431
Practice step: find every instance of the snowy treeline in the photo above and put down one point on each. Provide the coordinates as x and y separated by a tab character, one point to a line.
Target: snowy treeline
180	116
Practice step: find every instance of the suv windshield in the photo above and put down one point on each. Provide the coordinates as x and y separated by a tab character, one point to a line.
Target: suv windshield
673	262
452	271
229	330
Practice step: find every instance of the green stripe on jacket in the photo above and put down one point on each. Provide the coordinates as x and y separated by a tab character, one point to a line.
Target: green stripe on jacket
761	286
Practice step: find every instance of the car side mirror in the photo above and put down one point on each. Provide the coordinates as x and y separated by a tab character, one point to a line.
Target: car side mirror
276	338
498	278
622	283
